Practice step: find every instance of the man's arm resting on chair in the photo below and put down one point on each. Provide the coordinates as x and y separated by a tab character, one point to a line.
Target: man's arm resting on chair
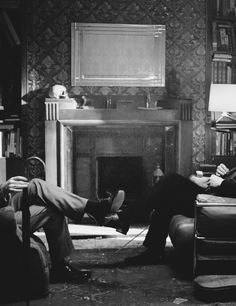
11	186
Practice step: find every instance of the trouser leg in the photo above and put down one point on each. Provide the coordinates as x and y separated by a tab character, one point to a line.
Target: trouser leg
174	194
155	239
53	203
43	194
49	205
54	224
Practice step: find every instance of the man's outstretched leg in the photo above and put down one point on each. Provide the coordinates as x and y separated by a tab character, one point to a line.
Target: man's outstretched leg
69	204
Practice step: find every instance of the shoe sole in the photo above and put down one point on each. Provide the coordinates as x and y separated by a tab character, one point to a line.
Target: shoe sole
118	201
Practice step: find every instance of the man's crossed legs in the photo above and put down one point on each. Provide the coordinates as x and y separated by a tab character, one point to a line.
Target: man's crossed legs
49	205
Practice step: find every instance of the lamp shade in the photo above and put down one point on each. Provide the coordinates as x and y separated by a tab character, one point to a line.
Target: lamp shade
222	98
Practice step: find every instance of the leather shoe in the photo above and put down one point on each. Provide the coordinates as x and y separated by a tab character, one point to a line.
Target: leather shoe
118	220
116	200
108	205
146	258
65	273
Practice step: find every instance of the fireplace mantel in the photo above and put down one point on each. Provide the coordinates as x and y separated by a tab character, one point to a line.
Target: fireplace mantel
56	111
60	123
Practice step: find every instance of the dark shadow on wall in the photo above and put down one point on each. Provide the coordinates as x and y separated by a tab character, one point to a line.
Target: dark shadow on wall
173	84
33	117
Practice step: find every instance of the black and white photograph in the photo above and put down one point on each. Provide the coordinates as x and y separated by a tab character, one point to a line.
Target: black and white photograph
117	152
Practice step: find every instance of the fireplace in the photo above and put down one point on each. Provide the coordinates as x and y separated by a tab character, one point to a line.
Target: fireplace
108	157
84	148
118	172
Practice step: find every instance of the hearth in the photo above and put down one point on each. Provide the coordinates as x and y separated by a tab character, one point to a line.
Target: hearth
118	172
110	157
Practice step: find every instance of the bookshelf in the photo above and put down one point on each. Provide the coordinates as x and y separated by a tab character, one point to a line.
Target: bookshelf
223	41
11	41
11	162
10	140
221	44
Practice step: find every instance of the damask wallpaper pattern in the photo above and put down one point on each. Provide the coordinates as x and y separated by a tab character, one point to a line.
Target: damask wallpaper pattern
48	55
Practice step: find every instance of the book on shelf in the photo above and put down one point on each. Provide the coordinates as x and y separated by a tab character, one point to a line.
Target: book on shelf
12	119
226	57
233	73
225	142
6	126
1	144
225	8
229	74
225	126
223	37
10	143
221	72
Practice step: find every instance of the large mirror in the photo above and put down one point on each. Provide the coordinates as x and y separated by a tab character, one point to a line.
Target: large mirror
117	54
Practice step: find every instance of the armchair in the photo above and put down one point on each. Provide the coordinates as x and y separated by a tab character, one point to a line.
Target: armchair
210	240
215	248
12	262
24	259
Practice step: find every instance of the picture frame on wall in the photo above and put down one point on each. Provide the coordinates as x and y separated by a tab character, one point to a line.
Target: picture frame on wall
117	54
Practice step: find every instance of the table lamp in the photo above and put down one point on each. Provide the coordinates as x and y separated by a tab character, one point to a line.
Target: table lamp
222	98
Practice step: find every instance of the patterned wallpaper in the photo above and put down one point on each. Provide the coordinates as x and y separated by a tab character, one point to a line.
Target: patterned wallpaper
48	55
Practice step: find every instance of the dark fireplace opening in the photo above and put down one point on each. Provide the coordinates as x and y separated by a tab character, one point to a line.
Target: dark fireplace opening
120	173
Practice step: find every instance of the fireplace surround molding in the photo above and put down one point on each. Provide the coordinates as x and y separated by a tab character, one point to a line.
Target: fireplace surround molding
60	123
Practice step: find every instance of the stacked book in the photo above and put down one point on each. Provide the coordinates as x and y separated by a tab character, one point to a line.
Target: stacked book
223	68
225	137
223	36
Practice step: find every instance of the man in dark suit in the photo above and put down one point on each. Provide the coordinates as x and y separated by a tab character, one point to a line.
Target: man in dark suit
175	194
49	205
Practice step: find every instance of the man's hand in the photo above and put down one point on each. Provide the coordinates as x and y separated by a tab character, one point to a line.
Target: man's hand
15	184
200	181
215	180
221	170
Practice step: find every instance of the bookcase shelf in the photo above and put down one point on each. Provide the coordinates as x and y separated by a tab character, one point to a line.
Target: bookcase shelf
11	41
221	41
11	162
225	142
10	140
